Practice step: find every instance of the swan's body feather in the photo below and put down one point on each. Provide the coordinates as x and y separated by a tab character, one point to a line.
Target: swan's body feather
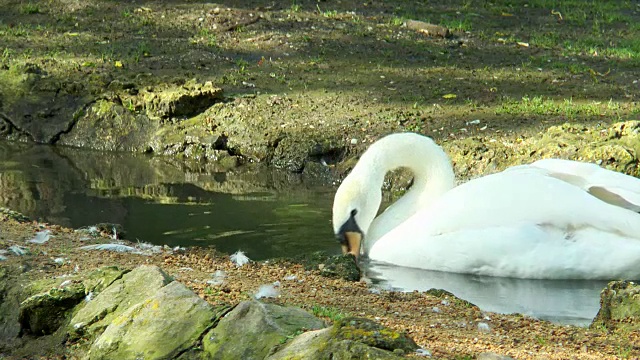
518	224
554	219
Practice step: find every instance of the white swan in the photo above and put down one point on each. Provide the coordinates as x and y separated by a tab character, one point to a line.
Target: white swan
553	219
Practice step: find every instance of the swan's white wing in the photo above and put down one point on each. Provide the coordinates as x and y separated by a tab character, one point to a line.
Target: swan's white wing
520	224
610	186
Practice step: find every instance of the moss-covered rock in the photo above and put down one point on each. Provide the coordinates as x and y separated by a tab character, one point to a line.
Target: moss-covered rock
181	101
44	313
253	328
109	125
351	338
341	266
160	327
10	292
131	289
373	334
334	266
102	278
37	106
619	307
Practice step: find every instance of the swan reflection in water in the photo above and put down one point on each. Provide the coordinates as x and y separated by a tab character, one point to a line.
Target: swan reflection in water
574	302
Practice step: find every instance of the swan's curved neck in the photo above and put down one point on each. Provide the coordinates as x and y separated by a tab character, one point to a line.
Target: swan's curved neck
431	168
430	165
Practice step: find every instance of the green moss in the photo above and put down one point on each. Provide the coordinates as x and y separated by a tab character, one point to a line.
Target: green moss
373	334
13	85
44	313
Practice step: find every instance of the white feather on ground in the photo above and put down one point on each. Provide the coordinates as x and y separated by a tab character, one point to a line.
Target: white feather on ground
239	258
41	237
267	291
109	247
18	250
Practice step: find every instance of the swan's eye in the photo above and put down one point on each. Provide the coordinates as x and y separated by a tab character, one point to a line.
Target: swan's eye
354	212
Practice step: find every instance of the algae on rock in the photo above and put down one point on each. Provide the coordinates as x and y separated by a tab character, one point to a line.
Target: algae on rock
253	328
43	314
619	307
160	327
132	288
349	338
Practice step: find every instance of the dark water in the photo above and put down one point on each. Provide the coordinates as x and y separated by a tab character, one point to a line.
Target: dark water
264	213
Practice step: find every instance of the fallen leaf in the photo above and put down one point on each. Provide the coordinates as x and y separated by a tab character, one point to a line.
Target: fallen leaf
118	64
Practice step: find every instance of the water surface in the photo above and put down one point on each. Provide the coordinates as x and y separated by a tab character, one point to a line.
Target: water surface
562	301
263	212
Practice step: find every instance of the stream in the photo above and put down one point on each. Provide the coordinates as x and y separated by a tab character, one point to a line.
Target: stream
265	213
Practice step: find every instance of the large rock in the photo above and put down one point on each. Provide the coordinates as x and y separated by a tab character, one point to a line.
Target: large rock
179	102
320	345
133	288
160	327
619	307
107	125
37	104
350	338
9	305
373	334
44	313
253	328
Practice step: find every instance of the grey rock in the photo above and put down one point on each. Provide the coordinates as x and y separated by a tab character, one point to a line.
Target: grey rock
133	288
253	328
108	125
44	313
160	327
323	345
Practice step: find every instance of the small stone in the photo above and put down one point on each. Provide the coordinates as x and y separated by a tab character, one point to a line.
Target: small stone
483	327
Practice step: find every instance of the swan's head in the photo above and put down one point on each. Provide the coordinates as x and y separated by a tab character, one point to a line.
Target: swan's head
354	208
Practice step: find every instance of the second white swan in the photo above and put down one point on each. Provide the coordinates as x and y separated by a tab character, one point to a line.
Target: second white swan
553	219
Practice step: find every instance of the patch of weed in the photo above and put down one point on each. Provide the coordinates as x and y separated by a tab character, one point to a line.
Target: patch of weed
328	312
544	106
30	8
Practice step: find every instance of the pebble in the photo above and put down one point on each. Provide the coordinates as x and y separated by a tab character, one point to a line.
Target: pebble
483	327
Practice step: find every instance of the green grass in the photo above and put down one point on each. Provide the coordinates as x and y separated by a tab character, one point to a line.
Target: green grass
18	30
328	312
30	8
397	21
327	13
463	24
539	105
295	7
541	340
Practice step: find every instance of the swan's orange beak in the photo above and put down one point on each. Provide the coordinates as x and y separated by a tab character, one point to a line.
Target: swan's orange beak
352	243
